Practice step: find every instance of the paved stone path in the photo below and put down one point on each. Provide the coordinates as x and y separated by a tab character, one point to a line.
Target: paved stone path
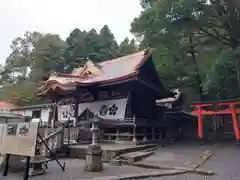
225	163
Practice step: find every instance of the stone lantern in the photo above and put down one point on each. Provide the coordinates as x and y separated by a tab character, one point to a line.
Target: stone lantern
93	160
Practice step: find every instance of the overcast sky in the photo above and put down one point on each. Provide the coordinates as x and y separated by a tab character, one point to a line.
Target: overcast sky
62	16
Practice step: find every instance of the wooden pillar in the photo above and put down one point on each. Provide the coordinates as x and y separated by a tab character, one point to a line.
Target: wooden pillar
134	129
145	133
215	123
200	123
153	132
61	137
76	102
235	123
159	132
47	131
53	125
117	134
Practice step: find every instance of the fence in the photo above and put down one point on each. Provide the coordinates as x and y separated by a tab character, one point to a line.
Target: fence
71	132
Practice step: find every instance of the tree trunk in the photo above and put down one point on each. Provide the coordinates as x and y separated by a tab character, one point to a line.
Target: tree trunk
198	77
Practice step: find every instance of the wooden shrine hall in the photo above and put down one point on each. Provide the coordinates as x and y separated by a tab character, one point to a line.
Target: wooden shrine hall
122	91
227	110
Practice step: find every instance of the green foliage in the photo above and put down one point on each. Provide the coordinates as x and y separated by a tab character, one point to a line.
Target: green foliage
47	56
109	46
195	44
221	81
22	93
82	45
19	61
127	47
36	55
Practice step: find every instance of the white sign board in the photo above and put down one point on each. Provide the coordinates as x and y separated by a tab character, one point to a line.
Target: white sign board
18	138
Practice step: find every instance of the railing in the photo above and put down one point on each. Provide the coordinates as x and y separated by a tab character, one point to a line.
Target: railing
129	122
82	131
52	137
73	135
55	137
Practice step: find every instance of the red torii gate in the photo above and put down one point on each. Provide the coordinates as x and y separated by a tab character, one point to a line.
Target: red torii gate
230	109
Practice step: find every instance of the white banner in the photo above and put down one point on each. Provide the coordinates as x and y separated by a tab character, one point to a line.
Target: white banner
65	112
109	109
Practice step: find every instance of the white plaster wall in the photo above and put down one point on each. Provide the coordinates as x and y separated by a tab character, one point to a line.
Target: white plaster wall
45	114
25	112
28	112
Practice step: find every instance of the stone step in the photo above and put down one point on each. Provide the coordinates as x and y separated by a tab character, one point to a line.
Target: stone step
78	151
136	156
136	148
150	149
120	162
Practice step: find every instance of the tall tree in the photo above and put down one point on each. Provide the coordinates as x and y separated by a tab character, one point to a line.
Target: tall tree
47	56
82	45
127	47
93	44
163	25
18	61
76	50
109	44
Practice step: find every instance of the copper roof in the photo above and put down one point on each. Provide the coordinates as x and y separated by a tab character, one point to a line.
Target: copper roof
91	73
6	105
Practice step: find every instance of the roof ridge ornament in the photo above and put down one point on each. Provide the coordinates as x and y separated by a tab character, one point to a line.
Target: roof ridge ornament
54	74
90	68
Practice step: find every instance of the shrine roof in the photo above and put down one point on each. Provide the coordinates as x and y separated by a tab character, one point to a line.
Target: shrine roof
110	71
6	105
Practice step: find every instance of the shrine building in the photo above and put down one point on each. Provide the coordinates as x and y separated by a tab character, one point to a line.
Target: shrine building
123	92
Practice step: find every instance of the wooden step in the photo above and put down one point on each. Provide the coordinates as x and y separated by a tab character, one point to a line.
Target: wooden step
62	152
136	156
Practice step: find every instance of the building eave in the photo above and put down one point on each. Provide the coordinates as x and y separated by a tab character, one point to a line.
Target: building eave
67	82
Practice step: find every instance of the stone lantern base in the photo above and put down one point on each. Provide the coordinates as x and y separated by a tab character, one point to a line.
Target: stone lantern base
93	162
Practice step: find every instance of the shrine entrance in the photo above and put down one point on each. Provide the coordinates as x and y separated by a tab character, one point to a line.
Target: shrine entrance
224	117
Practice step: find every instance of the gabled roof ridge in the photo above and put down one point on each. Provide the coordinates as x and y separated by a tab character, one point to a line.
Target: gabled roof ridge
88	65
145	52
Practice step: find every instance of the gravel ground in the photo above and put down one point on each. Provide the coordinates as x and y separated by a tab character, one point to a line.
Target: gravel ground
225	163
75	171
